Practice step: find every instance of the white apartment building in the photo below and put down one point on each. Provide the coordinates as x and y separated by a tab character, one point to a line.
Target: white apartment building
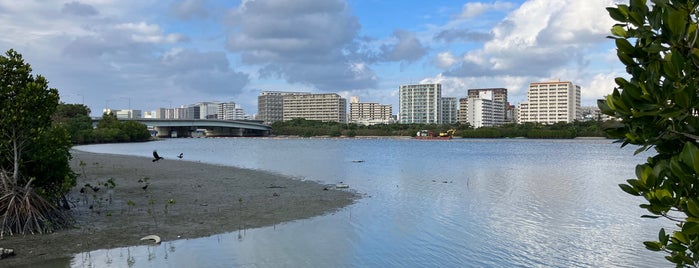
328	107
449	110
421	104
208	110
483	110
369	113
484	107
124	113
230	111
550	103
270	105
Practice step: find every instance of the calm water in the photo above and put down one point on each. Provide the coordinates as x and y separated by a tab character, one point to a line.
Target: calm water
458	203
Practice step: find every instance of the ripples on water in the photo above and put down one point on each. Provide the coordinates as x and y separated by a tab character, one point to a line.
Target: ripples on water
458	203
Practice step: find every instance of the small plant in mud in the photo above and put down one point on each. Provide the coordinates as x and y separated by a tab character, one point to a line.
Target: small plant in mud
150	211
131	205
167	205
110	185
145	183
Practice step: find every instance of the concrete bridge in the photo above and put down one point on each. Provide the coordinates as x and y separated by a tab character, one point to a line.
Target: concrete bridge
179	128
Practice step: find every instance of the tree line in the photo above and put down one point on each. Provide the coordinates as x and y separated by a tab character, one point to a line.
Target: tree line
311	128
75	118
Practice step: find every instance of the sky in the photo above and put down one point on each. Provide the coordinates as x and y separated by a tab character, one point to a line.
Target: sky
149	54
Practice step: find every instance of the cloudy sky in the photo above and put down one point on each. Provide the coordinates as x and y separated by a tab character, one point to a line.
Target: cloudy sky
148	54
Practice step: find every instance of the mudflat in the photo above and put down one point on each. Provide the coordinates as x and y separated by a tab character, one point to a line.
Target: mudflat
120	199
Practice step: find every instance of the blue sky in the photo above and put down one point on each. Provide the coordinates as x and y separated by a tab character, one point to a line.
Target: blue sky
154	53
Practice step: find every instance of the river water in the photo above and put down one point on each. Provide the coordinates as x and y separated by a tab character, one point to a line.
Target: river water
457	203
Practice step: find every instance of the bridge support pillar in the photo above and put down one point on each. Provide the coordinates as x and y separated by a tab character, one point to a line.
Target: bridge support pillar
163	132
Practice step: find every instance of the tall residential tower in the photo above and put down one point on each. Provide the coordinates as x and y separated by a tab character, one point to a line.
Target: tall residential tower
421	104
550	103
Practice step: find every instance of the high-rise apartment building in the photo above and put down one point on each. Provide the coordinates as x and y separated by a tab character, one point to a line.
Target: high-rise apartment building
270	105
483	110
328	107
498	95
421	104
449	110
550	103
369	113
230	111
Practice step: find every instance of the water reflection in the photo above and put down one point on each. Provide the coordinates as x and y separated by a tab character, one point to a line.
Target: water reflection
482	203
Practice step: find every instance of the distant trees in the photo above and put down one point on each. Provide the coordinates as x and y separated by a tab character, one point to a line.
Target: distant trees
658	107
76	119
309	128
34	153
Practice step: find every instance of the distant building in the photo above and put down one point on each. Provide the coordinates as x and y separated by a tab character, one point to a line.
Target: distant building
484	111
208	110
150	115
270	105
125	114
550	103
484	107
592	113
165	113
369	113
449	110
421	104
230	111
510	114
328	107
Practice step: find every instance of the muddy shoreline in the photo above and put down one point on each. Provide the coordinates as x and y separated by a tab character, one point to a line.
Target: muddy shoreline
172	198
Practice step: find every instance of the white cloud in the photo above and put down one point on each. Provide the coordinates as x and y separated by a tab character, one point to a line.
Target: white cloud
308	46
474	9
445	60
540	39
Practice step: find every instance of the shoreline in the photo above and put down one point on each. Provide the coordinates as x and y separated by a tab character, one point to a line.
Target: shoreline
174	199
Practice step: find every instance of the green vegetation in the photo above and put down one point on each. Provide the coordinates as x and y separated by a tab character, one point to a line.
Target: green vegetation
540	131
76	120
34	168
36	136
658	110
310	128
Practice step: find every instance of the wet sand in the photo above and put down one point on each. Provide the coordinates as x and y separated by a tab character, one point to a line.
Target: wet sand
171	198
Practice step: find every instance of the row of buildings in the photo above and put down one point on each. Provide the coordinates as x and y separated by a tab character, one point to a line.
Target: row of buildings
547	102
200	110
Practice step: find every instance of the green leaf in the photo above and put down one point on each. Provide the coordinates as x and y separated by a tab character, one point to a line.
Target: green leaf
675	247
616	14
629	190
619	31
688	152
692	208
653	245
675	21
662	237
690	228
680	237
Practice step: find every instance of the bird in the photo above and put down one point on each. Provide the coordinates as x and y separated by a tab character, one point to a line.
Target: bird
180	156
144	187
156	156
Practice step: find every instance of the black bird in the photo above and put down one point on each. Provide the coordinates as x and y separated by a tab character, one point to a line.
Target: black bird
156	156
180	156
144	187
